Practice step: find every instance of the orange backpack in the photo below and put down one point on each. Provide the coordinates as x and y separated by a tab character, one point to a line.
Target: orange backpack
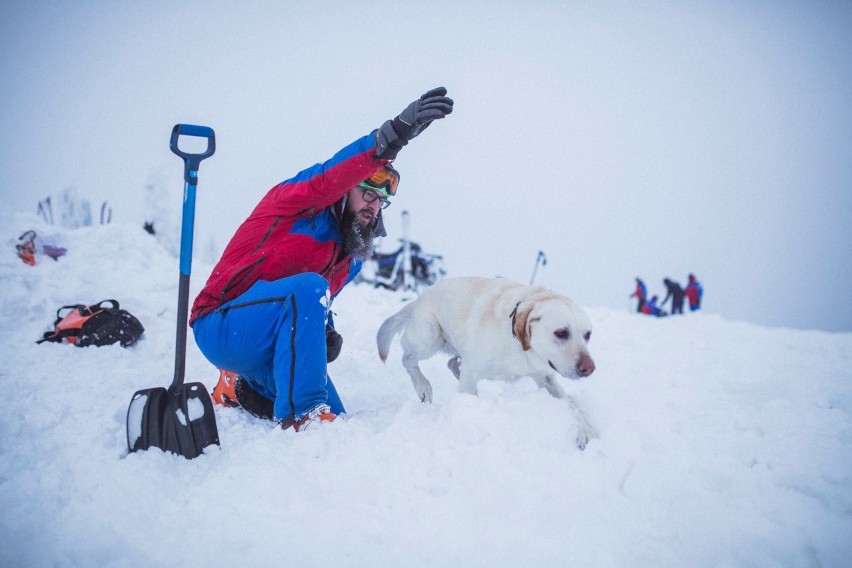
94	325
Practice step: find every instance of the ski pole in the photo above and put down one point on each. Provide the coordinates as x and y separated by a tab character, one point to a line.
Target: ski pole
540	258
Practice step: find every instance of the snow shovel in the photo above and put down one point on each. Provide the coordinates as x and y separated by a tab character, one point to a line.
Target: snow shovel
180	419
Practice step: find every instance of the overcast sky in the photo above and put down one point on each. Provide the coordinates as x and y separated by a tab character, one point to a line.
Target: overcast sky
623	139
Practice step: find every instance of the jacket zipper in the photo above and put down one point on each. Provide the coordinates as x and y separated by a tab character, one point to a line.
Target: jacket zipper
241	274
311	211
331	262
268	232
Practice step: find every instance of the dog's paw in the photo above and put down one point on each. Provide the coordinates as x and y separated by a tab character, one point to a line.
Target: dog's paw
584	434
422	386
424	392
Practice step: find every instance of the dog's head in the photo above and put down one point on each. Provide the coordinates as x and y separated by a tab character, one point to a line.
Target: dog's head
557	330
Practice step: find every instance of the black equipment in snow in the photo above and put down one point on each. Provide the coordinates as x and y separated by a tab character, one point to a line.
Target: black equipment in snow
407	268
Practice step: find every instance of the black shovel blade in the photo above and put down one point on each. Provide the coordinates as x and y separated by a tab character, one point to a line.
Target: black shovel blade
175	420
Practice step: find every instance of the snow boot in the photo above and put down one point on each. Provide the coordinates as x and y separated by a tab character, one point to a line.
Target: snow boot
224	393
233	390
321	413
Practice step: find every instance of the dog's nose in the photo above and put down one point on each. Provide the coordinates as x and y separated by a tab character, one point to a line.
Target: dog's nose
585	366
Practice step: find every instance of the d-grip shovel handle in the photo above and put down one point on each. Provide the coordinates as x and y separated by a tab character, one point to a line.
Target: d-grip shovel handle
191	164
192	161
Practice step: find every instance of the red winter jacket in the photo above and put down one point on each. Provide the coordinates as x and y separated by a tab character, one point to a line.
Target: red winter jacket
293	230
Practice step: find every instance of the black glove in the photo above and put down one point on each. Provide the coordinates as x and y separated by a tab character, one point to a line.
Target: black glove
394	134
333	343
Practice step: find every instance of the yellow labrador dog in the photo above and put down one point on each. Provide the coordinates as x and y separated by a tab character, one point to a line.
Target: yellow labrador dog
495	329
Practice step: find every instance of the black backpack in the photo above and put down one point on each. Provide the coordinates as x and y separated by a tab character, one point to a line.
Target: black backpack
94	325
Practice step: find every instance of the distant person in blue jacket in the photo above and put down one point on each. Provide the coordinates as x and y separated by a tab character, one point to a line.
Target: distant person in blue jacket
694	292
652	309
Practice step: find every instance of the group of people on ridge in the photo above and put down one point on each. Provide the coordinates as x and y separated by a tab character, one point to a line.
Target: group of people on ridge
692	293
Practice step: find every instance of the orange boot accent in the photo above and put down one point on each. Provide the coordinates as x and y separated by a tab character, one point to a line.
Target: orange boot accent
321	413
224	393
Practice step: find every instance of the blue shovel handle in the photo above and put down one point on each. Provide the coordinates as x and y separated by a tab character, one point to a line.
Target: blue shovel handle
191	164
192	161
190	176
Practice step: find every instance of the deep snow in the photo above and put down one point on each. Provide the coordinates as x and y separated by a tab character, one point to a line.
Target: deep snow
721	443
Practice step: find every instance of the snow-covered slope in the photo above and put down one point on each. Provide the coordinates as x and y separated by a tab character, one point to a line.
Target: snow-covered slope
721	444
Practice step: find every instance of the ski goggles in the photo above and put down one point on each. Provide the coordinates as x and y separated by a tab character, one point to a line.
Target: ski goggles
384	182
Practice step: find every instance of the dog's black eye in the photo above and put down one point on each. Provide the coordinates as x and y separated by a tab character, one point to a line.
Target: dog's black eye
562	333
588	336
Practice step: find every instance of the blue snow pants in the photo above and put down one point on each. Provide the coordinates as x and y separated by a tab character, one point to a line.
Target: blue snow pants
273	335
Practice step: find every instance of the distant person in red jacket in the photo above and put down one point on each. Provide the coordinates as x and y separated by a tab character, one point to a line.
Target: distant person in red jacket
676	293
641	294
263	317
694	292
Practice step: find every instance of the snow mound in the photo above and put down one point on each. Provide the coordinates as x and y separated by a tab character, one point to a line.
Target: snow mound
721	443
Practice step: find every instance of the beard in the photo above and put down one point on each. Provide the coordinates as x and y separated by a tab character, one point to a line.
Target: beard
357	239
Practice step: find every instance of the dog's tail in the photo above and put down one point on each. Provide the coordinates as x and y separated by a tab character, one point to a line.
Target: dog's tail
391	328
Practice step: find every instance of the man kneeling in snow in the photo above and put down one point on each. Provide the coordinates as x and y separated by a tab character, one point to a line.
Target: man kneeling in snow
263	315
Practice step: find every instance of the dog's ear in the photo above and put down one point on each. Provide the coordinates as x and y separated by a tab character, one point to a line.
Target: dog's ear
521	323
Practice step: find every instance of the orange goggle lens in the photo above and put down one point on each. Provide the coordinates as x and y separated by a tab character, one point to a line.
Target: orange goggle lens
385	181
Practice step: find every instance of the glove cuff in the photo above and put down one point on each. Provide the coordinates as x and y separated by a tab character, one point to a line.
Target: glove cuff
333	343
388	142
